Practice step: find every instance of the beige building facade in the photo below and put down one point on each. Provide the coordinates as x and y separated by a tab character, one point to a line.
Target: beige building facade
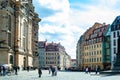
16	32
6	33
53	54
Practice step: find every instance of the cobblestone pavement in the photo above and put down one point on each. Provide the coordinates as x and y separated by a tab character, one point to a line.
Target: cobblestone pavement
62	75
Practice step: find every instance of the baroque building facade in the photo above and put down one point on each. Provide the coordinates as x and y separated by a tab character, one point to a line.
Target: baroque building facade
18	32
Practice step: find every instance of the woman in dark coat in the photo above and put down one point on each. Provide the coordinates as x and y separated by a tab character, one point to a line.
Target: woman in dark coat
39	72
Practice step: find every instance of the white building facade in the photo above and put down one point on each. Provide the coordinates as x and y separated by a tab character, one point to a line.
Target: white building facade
115	34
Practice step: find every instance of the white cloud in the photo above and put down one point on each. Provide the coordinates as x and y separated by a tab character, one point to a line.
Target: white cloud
75	21
55	4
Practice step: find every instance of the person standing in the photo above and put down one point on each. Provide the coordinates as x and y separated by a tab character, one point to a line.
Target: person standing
39	72
0	70
16	70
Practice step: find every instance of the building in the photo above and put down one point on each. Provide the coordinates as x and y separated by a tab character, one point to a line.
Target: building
7	20
42	51
115	38
73	64
17	32
93	39
88	57
67	63
107	49
79	53
35	29
53	54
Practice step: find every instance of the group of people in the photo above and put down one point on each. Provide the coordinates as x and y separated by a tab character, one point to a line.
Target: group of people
52	69
88	70
5	70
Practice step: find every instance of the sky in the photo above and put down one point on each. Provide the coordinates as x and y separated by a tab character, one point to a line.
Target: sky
65	21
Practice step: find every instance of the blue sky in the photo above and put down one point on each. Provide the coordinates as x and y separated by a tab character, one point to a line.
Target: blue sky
65	21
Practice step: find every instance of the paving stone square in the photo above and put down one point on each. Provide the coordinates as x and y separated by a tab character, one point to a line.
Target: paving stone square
61	75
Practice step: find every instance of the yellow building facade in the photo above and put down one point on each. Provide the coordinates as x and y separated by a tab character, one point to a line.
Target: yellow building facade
92	55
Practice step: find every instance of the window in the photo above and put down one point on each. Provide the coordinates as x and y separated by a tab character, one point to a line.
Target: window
114	51
9	39
100	59
9	28
24	29
114	35
94	59
114	43
11	59
24	43
117	33
9	23
94	52
94	46
97	59
100	51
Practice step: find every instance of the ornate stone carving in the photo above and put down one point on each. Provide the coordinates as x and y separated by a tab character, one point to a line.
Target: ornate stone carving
4	4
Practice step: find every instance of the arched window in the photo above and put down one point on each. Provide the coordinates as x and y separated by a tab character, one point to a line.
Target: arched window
11	59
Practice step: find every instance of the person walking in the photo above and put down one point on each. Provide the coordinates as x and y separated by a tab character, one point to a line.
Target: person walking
4	70
28	68
97	69
39	72
16	70
86	70
89	69
55	73
53	70
49	70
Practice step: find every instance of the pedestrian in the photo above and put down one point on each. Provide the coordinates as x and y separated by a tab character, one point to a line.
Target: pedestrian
39	72
86	70
0	70
49	70
16	70
28	68
89	69
53	70
97	69
4	70
55	73
9	71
